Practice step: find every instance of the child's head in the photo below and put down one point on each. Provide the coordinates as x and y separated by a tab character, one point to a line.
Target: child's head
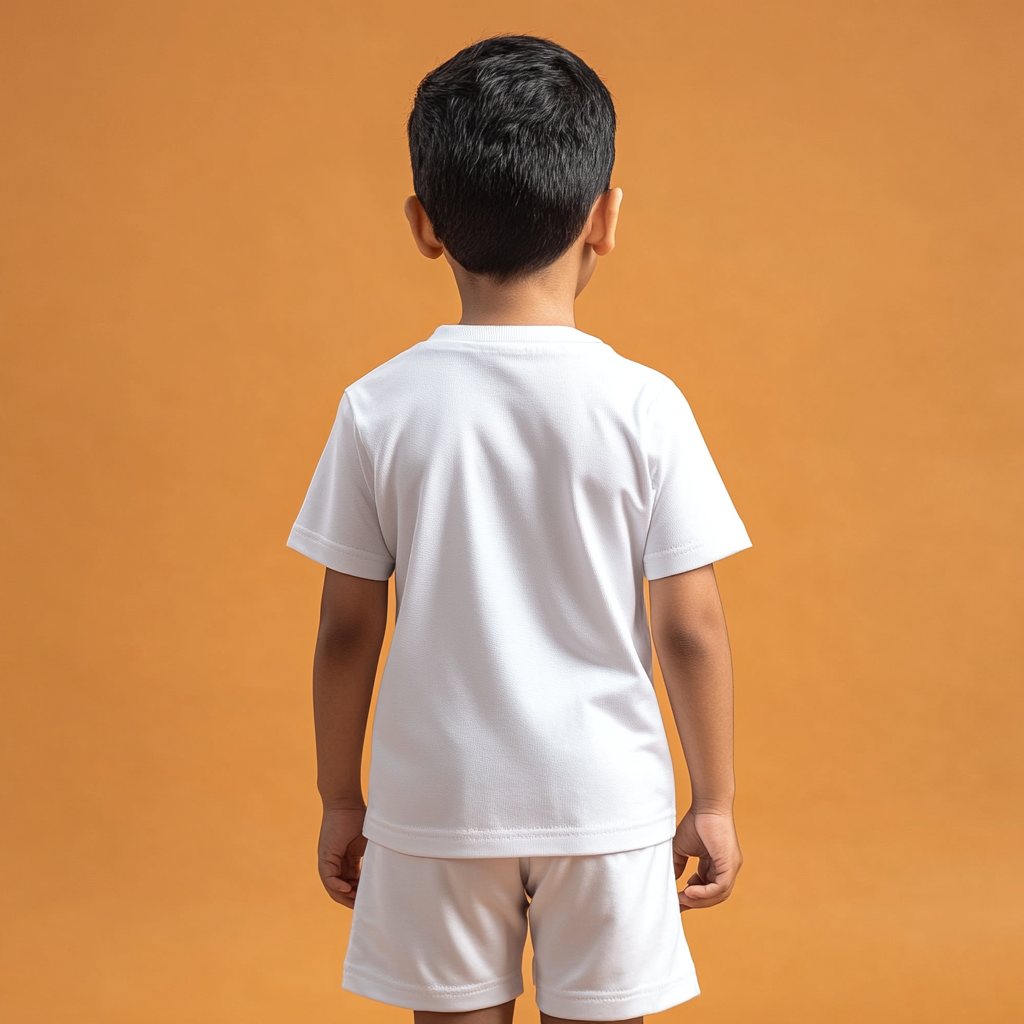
512	141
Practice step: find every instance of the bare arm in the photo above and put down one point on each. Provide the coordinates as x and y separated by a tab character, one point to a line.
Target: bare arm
353	616
692	642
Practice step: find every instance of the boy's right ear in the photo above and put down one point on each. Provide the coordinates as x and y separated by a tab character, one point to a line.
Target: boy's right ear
422	230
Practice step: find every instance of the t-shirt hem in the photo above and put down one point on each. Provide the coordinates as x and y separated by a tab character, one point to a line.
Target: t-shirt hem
693	556
534	842
339	557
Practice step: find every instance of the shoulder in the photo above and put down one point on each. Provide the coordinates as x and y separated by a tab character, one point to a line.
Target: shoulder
653	390
387	383
380	376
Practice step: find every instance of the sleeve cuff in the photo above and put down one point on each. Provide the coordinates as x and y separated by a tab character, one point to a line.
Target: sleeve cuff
672	561
339	557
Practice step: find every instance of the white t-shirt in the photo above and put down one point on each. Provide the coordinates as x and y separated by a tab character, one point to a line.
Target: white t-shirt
520	482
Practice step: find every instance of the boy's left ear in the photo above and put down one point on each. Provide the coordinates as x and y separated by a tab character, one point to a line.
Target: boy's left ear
604	216
422	230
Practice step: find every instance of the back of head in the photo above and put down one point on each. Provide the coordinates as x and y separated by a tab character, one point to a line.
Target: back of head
511	141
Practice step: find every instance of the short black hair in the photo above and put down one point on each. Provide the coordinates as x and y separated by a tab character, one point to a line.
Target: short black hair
511	142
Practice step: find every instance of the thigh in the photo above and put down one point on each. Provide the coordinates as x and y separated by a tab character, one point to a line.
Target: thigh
440	934
607	936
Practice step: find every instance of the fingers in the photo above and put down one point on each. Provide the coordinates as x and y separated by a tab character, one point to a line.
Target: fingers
711	838
700	893
341	890
697	897
340	854
679	860
340	877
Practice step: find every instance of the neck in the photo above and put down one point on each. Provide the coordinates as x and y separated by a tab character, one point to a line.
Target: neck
545	298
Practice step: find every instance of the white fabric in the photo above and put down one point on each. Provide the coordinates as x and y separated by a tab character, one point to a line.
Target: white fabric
520	481
447	934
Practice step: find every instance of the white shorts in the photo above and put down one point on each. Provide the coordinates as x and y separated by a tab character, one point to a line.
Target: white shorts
448	934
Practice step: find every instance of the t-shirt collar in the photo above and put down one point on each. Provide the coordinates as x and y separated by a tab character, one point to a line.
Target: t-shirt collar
513	333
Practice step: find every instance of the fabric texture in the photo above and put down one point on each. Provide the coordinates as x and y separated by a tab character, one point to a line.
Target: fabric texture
520	482
447	934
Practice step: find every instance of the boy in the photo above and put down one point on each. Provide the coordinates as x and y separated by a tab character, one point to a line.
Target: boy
520	478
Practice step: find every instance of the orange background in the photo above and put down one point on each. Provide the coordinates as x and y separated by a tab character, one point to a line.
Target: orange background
203	244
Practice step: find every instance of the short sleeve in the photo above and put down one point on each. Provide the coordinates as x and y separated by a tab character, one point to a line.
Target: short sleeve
693	521
337	524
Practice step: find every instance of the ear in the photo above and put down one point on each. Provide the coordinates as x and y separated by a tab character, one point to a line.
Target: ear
422	230
604	216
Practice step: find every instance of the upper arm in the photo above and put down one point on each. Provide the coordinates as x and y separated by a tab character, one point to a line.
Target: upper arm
693	521
353	611
338	524
686	611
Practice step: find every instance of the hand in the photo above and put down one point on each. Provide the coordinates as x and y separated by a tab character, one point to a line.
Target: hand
340	853
711	837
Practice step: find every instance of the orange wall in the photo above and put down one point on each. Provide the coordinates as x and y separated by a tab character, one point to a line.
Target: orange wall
203	244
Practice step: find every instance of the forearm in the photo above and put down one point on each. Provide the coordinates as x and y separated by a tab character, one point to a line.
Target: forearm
693	649
342	686
352	621
699	686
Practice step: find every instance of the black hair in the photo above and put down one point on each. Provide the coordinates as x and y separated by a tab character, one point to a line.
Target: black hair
511	142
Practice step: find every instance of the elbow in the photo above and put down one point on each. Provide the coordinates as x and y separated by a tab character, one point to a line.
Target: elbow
693	638
685	644
346	637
